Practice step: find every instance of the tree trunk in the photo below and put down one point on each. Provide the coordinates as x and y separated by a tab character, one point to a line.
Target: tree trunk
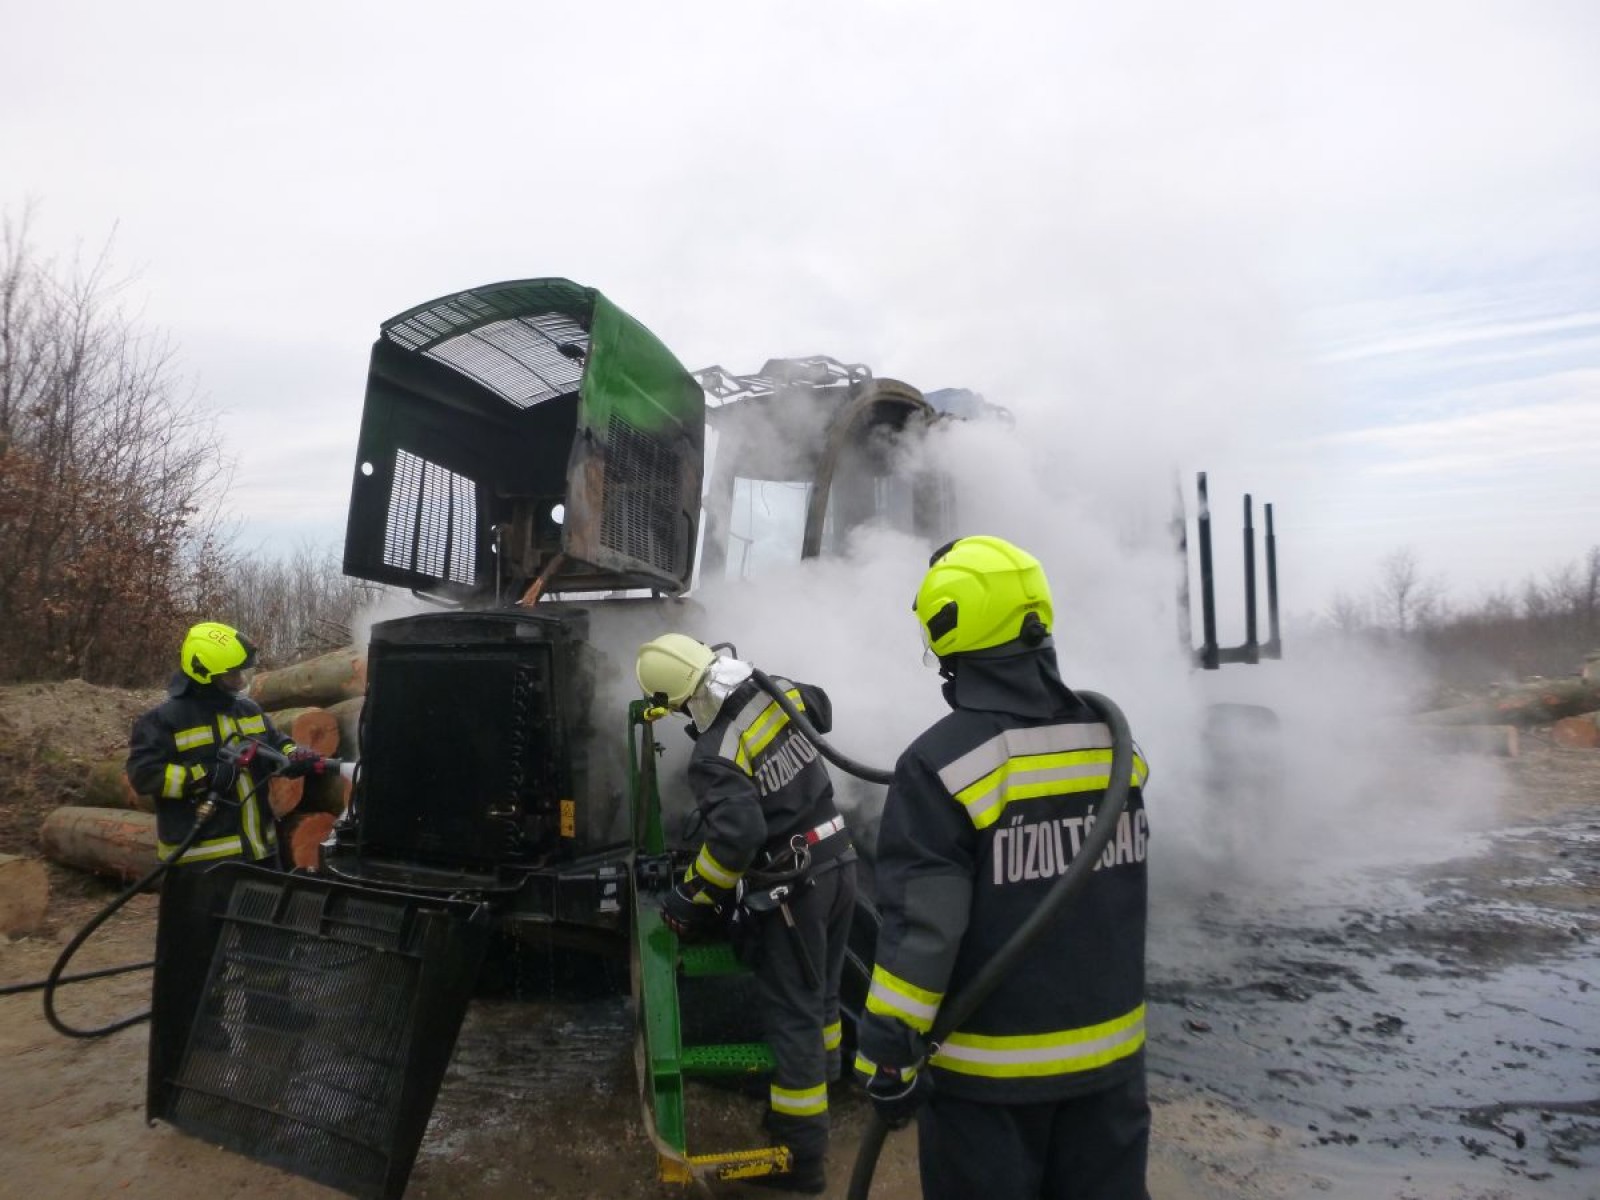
314	729
121	845
1581	732
106	786
321	681
24	895
1537	703
1502	740
348	714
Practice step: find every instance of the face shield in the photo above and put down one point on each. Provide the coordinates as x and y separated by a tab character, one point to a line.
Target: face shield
721	678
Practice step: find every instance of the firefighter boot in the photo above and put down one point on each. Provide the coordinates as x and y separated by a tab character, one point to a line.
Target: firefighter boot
807	1139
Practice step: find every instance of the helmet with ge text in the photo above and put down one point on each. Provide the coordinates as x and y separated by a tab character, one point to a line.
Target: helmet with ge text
979	593
212	649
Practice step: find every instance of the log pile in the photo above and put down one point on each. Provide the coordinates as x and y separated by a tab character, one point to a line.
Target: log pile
327	692
1569	708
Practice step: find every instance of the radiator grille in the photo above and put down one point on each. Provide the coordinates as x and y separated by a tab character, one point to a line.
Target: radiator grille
641	505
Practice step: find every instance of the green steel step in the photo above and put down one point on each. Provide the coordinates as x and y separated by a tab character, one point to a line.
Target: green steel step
710	958
735	1058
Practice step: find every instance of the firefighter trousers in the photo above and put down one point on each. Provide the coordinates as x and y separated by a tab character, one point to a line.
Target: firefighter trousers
797	973
1090	1147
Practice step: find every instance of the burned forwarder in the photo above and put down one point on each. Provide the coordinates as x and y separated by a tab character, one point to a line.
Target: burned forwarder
528	453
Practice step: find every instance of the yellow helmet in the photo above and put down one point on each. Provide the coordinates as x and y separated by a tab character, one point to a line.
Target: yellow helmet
672	666
212	648
978	593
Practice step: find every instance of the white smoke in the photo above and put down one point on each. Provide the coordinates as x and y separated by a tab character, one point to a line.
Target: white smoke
1305	766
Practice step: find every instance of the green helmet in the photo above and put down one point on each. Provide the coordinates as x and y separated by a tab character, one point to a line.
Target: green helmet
211	649
978	593
672	667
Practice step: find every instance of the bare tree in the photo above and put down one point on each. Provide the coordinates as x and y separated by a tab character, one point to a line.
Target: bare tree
1406	601
1349	614
294	606
106	484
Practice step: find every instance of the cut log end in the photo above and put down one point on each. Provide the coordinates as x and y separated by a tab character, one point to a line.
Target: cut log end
1577	733
24	895
305	833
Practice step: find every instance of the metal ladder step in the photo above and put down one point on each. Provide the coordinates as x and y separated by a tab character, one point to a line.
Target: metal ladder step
700	959
733	1058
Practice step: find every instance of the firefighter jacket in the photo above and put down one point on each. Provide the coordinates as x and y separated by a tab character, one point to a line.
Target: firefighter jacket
986	810
171	753
758	781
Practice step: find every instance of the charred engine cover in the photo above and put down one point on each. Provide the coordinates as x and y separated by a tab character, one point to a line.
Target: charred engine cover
472	740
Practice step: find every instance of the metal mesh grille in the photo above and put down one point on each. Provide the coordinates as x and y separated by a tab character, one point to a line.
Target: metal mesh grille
520	360
432	523
641	504
299	1051
439	321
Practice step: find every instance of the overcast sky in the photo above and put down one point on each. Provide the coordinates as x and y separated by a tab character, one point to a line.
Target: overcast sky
1345	256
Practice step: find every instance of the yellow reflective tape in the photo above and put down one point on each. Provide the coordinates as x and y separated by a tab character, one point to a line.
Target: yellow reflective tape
1064	1052
173	780
255	724
250	811
709	869
226	727
891	996
203	851
865	1066
832	1035
799	1102
189	739
764	728
1034	776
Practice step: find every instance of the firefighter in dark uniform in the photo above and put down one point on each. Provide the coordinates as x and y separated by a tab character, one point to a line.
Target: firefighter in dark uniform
1041	1093
764	806
175	754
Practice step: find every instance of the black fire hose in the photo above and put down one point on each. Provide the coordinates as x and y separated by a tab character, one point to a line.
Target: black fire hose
56	977
846	764
953	1014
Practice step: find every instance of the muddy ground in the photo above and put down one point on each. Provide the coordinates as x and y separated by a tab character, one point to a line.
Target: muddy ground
1424	1031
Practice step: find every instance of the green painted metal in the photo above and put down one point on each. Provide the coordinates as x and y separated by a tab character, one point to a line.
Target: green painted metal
643	792
735	1058
658	995
710	958
632	376
656	946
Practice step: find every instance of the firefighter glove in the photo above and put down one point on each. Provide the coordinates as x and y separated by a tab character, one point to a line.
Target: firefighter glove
897	1092
304	761
691	910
